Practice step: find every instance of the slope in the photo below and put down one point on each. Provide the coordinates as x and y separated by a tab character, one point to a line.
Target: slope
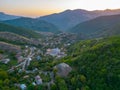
96	25
14	38
33	24
95	64
111	31
4	16
69	18
18	30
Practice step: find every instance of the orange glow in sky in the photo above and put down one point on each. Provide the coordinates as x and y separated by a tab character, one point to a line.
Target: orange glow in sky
34	8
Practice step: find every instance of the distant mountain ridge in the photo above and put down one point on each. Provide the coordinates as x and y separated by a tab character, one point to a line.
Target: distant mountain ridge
34	24
112	31
4	16
59	21
99	26
70	18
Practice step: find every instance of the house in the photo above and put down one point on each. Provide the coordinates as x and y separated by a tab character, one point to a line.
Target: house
26	46
28	61
38	58
38	80
5	61
23	87
33	83
53	52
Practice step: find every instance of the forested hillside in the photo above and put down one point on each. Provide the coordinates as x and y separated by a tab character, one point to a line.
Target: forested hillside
95	64
18	30
98	24
34	24
70	18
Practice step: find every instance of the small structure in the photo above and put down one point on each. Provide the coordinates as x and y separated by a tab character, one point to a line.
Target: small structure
33	83
26	76
1	56
63	69
29	59
5	61
38	80
23	87
53	52
38	58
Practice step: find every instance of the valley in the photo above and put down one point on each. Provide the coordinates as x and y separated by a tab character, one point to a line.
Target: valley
30	58
70	50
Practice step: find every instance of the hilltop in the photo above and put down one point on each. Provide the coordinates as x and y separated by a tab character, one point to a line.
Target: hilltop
4	16
70	18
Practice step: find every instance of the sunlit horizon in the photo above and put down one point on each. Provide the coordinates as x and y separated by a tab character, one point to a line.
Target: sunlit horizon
36	8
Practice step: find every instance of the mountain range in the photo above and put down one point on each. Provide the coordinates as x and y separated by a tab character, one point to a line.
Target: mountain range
70	18
34	24
99	26
75	21
4	16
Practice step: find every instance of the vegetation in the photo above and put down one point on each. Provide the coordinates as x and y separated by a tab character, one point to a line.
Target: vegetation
33	24
100	26
95	65
18	30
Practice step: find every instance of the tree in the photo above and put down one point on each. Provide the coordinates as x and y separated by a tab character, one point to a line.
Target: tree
3	75
82	78
6	82
1	83
53	87
30	87
61	83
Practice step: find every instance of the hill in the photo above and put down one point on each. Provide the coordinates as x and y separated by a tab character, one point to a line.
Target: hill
18	30
98	25
95	64
4	16
9	47
113	30
69	18
14	38
33	24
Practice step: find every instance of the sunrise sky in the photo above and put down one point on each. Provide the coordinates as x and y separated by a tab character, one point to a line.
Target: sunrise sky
35	8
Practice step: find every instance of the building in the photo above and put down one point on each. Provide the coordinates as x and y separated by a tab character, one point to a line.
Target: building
23	87
38	80
38	58
5	61
53	52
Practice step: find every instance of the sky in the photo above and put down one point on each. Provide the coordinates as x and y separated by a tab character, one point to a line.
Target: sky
35	8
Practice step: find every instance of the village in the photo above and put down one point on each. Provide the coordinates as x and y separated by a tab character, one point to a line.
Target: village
30	58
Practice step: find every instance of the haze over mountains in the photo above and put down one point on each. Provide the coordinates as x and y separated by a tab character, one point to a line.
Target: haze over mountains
71	50
75	21
34	24
97	26
70	18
